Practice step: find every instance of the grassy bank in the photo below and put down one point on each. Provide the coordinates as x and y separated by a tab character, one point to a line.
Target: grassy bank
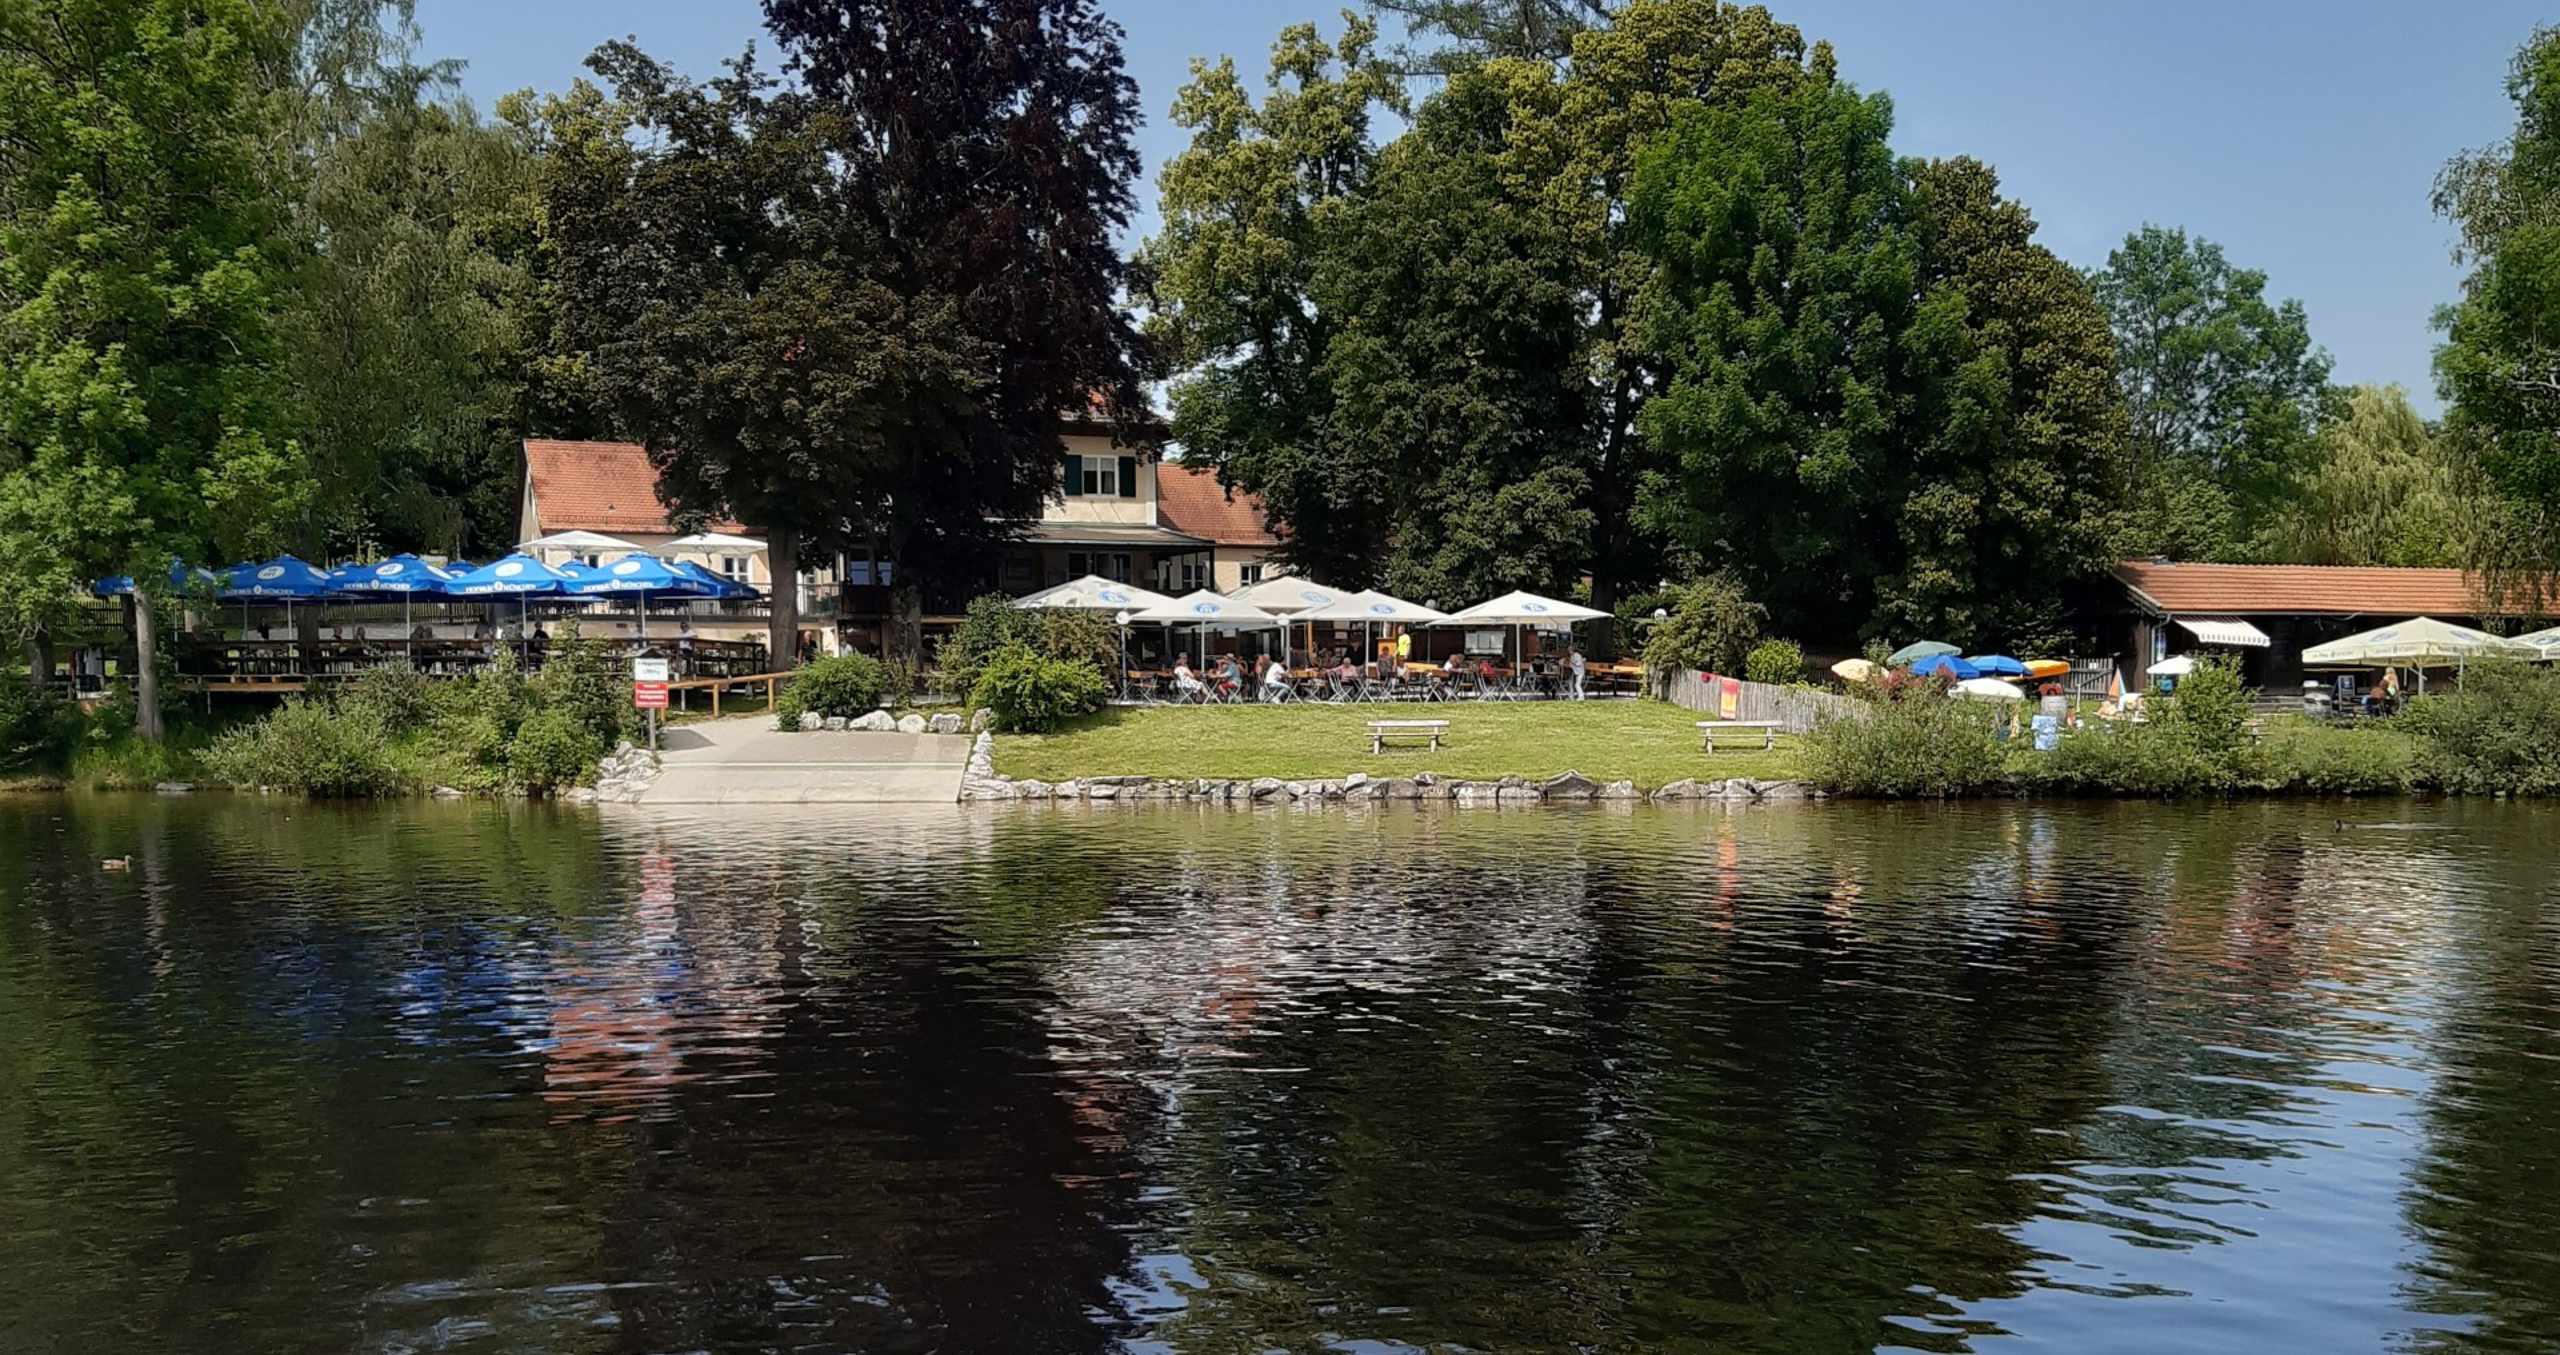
1647	742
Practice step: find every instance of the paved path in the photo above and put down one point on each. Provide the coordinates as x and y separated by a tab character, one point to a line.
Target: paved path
746	761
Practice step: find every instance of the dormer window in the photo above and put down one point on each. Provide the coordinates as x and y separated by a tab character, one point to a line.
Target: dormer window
1102	477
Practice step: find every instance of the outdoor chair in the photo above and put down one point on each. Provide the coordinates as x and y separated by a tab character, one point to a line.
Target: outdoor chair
1339	691
1278	692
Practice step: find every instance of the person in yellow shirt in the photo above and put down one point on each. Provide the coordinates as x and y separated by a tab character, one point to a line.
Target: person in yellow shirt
1404	647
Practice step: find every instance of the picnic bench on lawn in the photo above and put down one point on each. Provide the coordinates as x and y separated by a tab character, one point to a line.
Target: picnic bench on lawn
1708	729
1382	730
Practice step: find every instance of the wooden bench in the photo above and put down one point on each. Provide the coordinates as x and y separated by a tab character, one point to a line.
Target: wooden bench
1708	729
1382	730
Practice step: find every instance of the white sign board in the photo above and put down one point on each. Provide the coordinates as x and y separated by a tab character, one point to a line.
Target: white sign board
648	670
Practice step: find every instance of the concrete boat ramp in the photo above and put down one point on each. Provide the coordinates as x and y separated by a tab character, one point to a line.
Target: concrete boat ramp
747	761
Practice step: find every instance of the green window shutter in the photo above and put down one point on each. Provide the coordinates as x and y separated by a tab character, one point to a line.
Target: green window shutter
1075	474
1128	477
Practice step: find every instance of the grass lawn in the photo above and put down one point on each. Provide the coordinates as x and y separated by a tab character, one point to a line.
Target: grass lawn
1649	742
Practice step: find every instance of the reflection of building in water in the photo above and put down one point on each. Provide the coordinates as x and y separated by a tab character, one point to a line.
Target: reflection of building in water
649	1004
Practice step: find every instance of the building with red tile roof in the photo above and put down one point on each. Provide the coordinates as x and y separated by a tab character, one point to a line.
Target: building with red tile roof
1190	500
2269	614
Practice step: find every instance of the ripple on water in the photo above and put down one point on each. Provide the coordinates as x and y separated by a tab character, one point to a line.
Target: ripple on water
2085	1078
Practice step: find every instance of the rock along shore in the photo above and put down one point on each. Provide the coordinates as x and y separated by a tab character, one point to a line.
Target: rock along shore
981	783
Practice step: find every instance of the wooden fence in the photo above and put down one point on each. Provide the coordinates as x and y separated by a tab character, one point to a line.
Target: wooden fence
1798	709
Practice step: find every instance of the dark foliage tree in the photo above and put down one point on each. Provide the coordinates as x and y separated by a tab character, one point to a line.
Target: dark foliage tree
1473	30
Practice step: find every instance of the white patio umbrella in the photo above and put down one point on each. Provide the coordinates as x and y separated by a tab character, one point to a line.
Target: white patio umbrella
2547	641
1291	597
715	541
1205	610
581	541
2177	667
1372	608
2421	643
1093	593
1517	609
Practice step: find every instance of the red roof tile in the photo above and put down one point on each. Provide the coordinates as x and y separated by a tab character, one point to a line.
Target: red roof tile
1191	500
597	487
2300	590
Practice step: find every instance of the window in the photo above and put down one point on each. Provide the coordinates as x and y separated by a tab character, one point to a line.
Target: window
1252	574
1195	574
1102	477
588	559
1118	566
733	568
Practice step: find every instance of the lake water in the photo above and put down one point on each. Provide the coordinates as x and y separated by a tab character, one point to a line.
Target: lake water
2065	1078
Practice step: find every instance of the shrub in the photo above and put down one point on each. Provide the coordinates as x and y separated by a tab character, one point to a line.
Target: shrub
37	729
1921	746
2210	715
1712	625
1033	693
580	679
396	697
1775	662
848	685
2321	760
2117	759
312	748
2499	731
992	623
552	748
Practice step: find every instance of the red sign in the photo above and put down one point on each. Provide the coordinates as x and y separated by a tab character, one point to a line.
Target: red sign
649	695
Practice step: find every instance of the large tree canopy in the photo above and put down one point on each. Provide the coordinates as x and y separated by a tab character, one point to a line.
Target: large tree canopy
1428	357
2499	367
2224	388
142	255
2382	489
851	310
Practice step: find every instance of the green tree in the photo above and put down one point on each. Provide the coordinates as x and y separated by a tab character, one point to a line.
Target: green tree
2224	390
1541	30
414	329
141	256
1250	208
2499	366
1322	294
2383	490
2020	496
1810	356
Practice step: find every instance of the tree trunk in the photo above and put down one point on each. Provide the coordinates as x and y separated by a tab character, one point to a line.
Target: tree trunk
906	624
146	671
1604	597
306	636
39	648
782	631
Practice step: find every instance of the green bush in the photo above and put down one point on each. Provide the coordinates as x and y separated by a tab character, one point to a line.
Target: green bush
396	697
1778	663
551	749
37	729
2497	732
580	679
312	748
992	624
1923	746
2324	760
2117	759
848	685
1033	693
1712	625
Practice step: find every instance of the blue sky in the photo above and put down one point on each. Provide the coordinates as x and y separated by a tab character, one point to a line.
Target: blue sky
2301	136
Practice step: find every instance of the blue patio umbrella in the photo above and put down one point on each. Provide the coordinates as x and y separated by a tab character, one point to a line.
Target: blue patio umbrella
181	578
406	576
1998	665
723	588
283	579
1947	665
517	576
640	576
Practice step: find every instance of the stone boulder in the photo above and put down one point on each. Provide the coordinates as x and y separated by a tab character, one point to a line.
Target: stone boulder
1031	790
1265	787
913	724
446	793
173	788
981	720
835	724
945	723
874	722
1619	790
1784	790
1569	786
1682	789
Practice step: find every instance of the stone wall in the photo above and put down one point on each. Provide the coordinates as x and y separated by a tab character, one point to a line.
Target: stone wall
981	783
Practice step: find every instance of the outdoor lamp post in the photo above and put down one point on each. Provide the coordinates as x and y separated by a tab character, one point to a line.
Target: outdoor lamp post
1121	619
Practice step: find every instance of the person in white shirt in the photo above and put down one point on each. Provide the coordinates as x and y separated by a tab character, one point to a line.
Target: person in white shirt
1275	682
1573	660
1185	685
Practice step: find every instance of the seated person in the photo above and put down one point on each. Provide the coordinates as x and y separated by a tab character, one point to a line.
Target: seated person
421	631
1275	677
1183	680
1230	676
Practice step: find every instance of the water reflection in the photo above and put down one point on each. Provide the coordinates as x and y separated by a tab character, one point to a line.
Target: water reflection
2098	1077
